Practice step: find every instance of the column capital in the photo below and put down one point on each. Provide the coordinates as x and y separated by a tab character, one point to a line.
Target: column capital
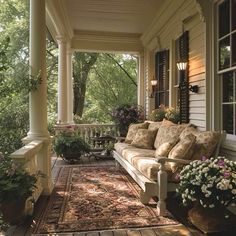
61	39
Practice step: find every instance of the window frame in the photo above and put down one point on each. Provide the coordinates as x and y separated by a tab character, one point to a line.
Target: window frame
220	72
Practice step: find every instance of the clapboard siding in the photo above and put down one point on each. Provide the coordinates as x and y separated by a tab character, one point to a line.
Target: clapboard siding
168	28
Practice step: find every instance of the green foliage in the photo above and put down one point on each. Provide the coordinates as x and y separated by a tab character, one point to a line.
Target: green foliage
68	144
15	82
163	112
15	183
109	86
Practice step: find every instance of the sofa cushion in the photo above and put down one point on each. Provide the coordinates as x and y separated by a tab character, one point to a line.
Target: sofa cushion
119	147
148	166
206	143
144	138
133	128
182	150
129	153
168	134
154	126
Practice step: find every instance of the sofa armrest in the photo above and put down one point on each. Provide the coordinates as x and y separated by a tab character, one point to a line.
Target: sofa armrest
163	160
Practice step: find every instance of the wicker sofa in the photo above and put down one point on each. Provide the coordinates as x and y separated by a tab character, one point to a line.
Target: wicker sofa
154	153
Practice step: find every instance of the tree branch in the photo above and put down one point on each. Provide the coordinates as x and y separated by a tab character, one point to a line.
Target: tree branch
122	68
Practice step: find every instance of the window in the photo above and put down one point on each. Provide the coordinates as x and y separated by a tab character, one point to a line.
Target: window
226	42
162	76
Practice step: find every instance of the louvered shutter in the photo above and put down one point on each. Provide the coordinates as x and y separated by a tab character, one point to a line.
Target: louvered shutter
162	76
182	55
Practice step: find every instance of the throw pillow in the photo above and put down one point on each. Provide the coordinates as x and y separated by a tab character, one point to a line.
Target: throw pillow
154	126
189	130
168	133
133	128
206	143
144	138
182	150
164	149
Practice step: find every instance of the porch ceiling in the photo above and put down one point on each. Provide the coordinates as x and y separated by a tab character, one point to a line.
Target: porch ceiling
102	24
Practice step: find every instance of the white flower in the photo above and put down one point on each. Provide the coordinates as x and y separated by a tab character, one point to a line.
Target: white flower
233	191
211	205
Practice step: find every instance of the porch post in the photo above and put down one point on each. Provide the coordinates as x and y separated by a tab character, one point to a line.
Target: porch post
62	81
38	98
141	80
70	91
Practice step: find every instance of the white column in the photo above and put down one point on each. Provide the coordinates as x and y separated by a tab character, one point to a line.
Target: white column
141	85
70	91
38	98
62	81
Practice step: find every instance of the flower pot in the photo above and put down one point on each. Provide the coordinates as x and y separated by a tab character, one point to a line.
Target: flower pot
13	212
71	157
210	220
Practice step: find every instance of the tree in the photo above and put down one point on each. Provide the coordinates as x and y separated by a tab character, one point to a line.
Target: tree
83	63
112	82
15	82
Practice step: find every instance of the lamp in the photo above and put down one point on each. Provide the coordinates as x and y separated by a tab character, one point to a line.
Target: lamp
182	65
154	85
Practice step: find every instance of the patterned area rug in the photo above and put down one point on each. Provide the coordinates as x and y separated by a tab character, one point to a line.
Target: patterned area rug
96	198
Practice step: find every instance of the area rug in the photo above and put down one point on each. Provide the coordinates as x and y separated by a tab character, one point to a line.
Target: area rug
96	198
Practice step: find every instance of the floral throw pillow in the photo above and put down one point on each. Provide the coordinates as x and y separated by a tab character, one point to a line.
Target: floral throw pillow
206	143
144	138
182	150
154	126
164	149
133	128
168	133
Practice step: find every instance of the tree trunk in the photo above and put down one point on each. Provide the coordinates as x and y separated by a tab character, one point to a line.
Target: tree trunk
82	66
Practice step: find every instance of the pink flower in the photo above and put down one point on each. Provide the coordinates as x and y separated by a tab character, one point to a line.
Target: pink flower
226	174
204	158
221	163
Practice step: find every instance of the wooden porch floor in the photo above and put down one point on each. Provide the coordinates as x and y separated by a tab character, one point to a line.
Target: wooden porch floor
183	229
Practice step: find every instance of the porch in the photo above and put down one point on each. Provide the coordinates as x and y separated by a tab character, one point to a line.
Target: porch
184	228
152	35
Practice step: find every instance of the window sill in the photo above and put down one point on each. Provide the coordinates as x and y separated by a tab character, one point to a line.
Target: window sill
229	144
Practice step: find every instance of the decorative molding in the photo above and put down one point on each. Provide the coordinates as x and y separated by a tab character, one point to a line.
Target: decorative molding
106	36
200	8
56	19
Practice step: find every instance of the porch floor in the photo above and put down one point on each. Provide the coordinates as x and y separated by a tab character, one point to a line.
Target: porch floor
183	229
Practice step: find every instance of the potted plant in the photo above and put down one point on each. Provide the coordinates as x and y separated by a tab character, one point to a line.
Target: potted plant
16	185
209	185
163	112
125	115
70	146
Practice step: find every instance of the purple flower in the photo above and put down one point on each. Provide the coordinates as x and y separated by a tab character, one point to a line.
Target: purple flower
221	163
204	158
226	174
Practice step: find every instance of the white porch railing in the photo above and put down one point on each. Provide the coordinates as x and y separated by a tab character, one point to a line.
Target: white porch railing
88	131
29	155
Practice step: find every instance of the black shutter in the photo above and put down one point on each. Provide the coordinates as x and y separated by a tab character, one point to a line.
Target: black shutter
184	82
162	76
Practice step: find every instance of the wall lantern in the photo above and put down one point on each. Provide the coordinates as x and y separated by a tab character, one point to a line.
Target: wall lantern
154	87
181	65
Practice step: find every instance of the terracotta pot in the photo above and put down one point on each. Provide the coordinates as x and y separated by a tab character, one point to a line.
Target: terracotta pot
13	212
211	220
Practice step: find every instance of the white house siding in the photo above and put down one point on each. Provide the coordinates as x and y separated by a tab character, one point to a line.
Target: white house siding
168	27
